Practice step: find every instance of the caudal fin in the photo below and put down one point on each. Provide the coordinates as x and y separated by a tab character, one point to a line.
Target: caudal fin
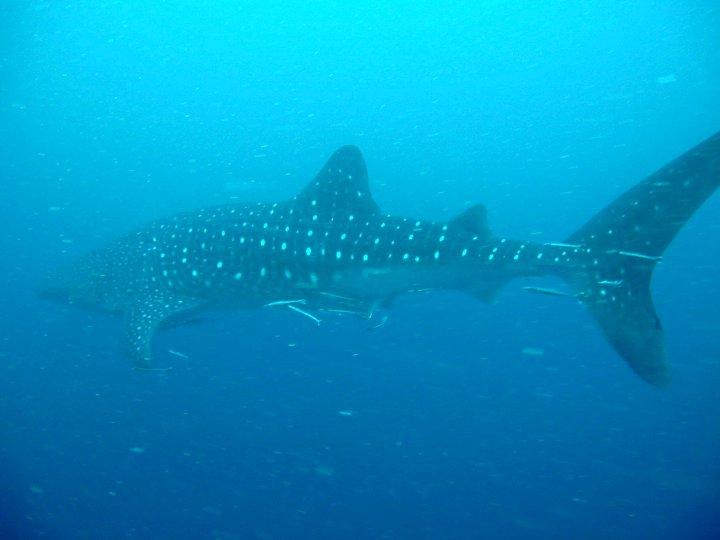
627	238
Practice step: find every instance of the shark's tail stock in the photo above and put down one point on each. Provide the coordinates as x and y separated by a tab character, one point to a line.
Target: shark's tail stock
625	241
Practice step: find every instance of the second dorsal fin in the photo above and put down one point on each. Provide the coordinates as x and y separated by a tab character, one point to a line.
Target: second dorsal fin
473	220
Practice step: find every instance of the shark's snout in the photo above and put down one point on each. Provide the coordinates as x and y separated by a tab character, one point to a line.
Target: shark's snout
53	288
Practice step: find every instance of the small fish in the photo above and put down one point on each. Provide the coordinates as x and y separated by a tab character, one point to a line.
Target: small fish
324	470
305	313
667	79
634	254
549	292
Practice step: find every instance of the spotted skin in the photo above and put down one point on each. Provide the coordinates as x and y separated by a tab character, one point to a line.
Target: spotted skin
331	248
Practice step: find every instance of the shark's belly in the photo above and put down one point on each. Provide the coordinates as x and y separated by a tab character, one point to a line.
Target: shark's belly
380	283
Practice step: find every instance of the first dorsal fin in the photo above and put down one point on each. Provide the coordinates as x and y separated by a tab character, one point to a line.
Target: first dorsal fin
340	188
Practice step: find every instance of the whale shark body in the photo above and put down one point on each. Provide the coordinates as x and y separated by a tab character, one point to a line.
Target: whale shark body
331	248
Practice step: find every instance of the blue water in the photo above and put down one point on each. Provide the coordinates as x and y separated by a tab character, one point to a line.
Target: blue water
457	419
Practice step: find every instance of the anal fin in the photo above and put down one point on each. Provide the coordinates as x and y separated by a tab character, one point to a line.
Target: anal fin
488	291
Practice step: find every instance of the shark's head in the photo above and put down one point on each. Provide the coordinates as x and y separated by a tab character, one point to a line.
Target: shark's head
76	284
56	286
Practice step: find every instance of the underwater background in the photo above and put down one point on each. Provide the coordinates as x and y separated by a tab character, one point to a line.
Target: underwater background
457	419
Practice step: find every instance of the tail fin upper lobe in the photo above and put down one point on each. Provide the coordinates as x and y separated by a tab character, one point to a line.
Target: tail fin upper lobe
627	239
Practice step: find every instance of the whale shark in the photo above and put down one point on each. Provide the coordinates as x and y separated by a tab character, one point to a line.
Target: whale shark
331	249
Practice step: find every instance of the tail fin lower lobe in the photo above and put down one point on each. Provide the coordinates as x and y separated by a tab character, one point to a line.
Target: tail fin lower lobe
627	239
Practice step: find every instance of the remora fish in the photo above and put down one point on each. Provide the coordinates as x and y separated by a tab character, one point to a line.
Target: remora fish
331	248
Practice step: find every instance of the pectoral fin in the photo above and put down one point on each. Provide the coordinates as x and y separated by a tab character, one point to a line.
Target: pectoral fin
144	315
